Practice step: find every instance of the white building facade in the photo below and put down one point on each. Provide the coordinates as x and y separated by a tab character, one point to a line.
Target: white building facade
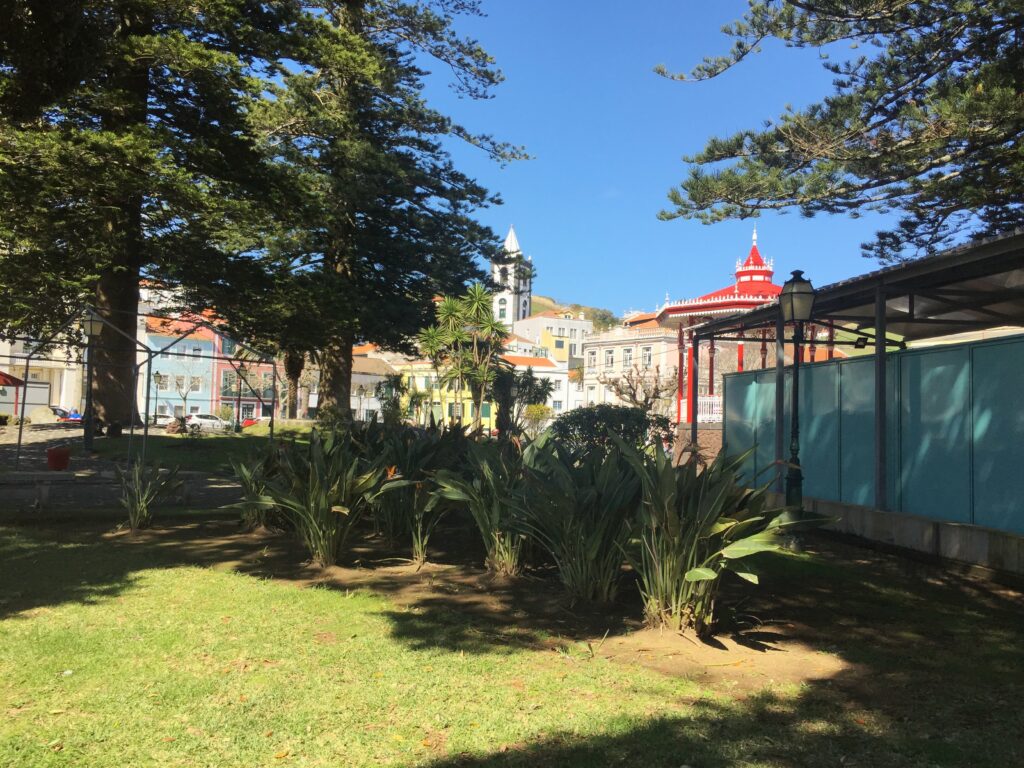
646	351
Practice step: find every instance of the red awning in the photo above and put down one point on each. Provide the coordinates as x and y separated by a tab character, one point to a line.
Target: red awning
6	380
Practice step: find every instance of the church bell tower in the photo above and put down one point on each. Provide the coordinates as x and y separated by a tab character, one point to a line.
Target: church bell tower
513	275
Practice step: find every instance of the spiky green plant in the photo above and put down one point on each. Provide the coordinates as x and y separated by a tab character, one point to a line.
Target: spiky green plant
578	510
141	487
253	474
492	495
695	525
323	488
407	504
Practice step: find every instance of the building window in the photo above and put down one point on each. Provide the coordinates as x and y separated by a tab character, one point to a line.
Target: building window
559	344
193	409
179	383
591	359
502	310
627	358
161	410
645	357
197	350
163	382
609	359
197	383
556	404
165	354
485	411
561	331
227	346
573	350
572	333
503	276
579	386
557	385
179	411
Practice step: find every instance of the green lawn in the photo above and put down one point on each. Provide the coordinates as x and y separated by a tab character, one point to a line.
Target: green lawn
179	651
213	452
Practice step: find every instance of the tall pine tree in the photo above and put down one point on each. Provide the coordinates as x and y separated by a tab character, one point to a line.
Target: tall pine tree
126	152
382	222
928	122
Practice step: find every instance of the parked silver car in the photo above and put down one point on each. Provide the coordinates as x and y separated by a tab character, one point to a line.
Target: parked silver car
206	422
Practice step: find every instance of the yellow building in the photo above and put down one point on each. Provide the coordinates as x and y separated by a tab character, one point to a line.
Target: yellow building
426	397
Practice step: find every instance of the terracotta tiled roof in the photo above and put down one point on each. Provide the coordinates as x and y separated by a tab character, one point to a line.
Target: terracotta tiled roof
163	326
521	361
523	339
363	349
639	318
372	366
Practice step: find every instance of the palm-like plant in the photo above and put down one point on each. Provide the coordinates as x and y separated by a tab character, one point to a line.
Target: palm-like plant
432	345
694	526
324	488
141	487
253	475
493	496
406	503
579	511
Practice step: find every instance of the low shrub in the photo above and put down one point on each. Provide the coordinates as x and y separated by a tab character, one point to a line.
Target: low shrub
323	488
253	475
693	527
492	495
579	508
587	429
407	504
141	487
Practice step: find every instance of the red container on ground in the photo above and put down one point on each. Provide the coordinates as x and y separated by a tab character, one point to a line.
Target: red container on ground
58	457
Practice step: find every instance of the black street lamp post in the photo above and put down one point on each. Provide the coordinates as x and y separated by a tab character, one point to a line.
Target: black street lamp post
238	397
796	302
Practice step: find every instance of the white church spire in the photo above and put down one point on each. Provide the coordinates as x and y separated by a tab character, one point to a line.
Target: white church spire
512	242
513	276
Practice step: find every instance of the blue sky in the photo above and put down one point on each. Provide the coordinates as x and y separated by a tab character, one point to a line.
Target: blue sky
607	135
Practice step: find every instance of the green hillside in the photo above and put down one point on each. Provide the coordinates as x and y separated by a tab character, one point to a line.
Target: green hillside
602	318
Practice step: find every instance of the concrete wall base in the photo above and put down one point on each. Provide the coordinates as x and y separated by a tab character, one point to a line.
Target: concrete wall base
972	545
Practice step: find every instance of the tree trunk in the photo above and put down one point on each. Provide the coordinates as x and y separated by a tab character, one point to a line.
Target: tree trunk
336	377
294	362
113	355
117	289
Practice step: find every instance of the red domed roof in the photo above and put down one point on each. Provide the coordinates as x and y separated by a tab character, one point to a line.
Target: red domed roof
754	259
753	287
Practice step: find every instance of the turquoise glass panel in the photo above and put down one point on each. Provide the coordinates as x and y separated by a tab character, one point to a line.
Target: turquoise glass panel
998	432
934	451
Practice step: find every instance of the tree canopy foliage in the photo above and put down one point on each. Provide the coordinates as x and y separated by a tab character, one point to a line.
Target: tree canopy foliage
926	120
274	161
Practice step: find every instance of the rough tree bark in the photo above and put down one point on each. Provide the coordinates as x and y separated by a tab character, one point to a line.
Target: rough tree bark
117	290
336	377
294	362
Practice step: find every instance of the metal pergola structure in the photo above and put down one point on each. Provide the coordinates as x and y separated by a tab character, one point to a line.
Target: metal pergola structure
193	323
975	287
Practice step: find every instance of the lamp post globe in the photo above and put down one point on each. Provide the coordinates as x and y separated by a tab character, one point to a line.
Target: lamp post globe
797	298
796	303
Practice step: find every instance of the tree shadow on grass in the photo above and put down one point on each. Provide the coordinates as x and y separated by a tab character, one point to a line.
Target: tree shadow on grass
814	729
932	672
87	564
